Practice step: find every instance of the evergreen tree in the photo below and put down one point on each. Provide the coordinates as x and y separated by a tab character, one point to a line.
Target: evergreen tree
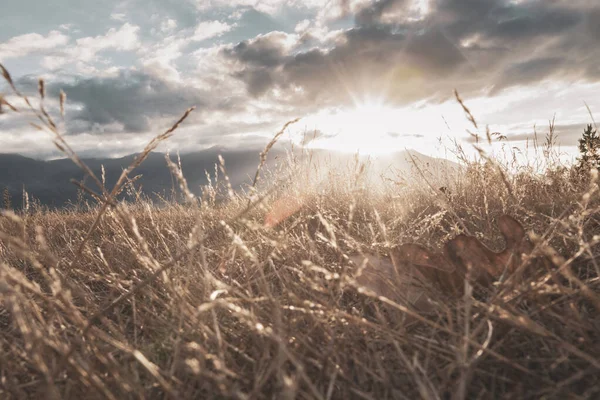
6	200
589	148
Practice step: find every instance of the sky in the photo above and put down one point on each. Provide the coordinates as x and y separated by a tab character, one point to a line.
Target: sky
368	76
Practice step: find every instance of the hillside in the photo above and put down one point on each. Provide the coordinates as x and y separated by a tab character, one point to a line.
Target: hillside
49	181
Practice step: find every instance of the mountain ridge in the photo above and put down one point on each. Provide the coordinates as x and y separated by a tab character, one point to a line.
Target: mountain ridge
49	181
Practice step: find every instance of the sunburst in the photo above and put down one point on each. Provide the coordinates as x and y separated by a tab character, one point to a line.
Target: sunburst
367	128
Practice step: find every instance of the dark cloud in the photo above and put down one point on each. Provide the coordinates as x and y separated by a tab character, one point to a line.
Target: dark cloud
592	24
536	22
264	51
131	99
463	44
367	59
260	58
530	71
501	19
258	80
522	43
372	14
130	102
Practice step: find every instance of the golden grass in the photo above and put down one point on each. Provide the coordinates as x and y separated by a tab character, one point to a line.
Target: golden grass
203	300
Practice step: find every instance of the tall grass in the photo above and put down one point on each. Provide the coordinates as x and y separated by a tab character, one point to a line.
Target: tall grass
203	299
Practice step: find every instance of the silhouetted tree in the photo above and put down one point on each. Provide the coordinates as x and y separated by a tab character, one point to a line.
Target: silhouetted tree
6	200
589	148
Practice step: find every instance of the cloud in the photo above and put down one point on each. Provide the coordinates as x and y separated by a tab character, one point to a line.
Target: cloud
408	51
265	6
338	9
20	46
365	60
119	114
168	25
384	11
209	29
121	17
530	71
128	103
264	51
123	39
158	59
505	20
57	51
260	58
161	57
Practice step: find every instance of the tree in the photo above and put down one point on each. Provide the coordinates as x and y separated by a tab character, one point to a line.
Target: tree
589	148
6	199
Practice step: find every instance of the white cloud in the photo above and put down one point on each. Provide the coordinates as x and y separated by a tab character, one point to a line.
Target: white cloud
57	51
168	25
212	69
84	52
23	45
266	6
53	62
302	26
157	60
208	29
236	15
118	17
123	39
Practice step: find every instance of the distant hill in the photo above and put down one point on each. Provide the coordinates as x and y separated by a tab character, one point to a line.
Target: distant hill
49	181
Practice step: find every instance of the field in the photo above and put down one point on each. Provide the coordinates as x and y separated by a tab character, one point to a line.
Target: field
253	295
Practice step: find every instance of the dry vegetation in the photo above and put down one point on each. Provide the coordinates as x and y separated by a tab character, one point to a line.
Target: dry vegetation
199	299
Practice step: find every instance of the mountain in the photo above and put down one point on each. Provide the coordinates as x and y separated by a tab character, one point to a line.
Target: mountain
49	181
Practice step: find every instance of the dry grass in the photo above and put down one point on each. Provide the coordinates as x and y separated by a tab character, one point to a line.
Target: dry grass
202	300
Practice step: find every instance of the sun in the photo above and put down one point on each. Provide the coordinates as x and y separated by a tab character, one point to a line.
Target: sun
368	127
